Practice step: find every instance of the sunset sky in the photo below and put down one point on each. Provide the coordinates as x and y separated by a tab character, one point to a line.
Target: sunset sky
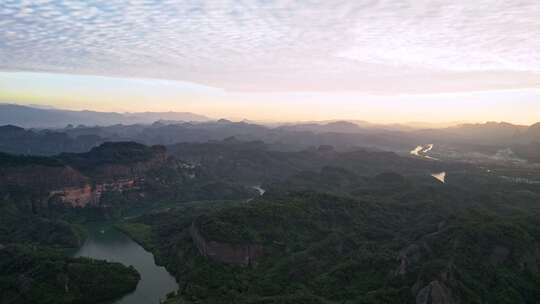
376	60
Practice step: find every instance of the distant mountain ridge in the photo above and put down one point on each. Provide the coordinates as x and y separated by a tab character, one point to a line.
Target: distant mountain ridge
34	117
54	131
490	133
330	127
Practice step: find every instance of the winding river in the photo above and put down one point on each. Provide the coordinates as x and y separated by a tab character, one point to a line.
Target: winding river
106	243
421	151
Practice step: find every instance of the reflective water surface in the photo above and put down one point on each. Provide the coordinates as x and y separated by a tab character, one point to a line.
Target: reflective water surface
106	243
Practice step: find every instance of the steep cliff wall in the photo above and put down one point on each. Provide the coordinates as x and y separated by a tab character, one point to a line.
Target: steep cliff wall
236	254
64	184
88	195
40	177
114	172
80	180
76	196
113	161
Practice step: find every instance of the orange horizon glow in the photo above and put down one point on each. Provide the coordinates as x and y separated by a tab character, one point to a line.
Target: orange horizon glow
382	61
109	94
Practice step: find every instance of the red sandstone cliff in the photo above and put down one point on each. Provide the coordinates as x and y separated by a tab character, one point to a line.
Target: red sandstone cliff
236	254
41	177
80	180
119	171
88	195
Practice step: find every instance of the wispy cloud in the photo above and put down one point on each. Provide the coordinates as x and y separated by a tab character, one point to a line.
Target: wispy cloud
382	46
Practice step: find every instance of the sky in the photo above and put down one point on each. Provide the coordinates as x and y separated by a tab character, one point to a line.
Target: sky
375	60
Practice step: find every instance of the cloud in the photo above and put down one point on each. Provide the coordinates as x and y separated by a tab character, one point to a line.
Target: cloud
381	46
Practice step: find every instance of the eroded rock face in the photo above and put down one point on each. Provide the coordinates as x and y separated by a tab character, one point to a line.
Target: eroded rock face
114	172
76	196
88	195
435	293
80	180
41	177
235	254
409	257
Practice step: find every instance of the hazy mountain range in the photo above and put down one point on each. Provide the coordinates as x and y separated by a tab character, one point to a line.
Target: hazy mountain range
42	116
340	194
44	131
45	117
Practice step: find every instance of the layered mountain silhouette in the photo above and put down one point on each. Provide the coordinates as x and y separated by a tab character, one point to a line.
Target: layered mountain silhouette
45	131
33	117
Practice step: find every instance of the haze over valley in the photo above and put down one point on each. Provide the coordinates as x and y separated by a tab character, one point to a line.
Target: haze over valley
269	152
204	194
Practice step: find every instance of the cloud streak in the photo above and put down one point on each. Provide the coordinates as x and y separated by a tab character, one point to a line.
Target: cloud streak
377	46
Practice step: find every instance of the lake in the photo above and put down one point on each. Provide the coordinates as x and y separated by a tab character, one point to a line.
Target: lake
106	243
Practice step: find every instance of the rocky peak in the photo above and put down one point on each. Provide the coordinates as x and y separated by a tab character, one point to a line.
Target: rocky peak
435	293
228	253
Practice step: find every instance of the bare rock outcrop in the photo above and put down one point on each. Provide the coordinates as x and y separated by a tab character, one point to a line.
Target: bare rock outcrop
435	293
80	180
235	254
88	195
41	177
408	257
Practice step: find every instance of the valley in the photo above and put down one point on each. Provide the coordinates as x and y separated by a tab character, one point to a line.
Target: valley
239	221
269	152
104	242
